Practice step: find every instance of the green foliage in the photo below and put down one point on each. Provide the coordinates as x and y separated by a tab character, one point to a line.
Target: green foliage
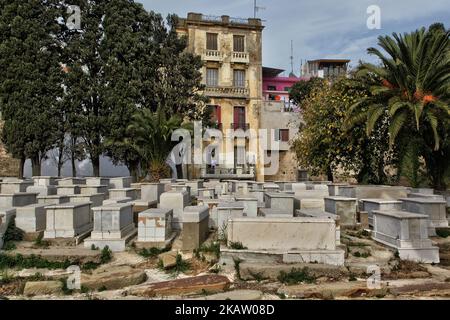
152	252
301	90
237	263
443	233
213	247
410	87
181	266
296	276
237	246
21	262
106	255
325	146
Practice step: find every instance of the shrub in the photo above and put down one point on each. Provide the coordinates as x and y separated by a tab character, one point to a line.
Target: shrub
296	276
237	246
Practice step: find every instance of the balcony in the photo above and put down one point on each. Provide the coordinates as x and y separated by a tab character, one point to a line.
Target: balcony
238	173
243	126
212	55
227	92
240	57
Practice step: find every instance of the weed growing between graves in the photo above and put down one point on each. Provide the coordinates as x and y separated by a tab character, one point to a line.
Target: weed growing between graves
237	246
41	243
296	276
212	247
152	252
258	276
106	255
358	254
443	233
33	261
215	269
237	268
12	233
181	266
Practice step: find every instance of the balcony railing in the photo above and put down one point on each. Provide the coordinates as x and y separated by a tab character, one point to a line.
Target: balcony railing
227	92
240	57
213	55
243	126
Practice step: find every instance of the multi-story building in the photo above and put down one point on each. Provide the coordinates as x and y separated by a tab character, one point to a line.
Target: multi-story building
232	73
329	69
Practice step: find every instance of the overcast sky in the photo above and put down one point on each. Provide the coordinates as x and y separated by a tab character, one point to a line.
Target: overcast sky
319	28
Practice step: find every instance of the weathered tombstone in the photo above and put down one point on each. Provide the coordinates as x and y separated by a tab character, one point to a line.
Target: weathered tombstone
167	183
31	218
333	189
305	203
113	227
206	193
151	191
318	213
122	193
117	200
406	232
434	209
370	205
305	240
97	181
6	216
195	226
19	186
68	220
181	187
42	190
70	181
275	213
95	199
67	189
140	206
257	186
280	201
177	201
195	185
227	210
17	199
373	192
89	189
44	181
55	199
155	228
250	206
344	207
271	187
120	182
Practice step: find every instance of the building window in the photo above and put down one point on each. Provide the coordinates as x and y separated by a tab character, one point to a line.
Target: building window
212	77
211	41
271	88
282	135
239	78
238	43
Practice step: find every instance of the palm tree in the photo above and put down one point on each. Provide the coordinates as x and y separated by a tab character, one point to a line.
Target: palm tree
411	89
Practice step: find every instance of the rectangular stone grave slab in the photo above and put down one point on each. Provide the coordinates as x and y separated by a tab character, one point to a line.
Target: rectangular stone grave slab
250	206
117	200
17	199
45	181
195	227
259	195
373	192
31	218
68	220
181	187
271	187
122	193
378	204
318	213
55	199
293	238
95	199
88	189
427	191
120	182
434	209
255	186
167	184
227	210
333	188
344	207
406	232
141	205
275	213
177	201
428	196
279	200
71	181
151	191
311	194
42	190
206	193
195	185
67	190
305	203
213	215
97	181
155	228
113	227
11	187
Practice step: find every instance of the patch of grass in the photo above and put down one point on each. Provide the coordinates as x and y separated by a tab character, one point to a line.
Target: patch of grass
258	276
216	269
282	296
296	276
19	261
41	243
358	254
237	268
237	246
152	252
106	255
93	247
443	233
9	246
212	247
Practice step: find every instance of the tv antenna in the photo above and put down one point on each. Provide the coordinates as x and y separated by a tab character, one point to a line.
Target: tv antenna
292	57
256	8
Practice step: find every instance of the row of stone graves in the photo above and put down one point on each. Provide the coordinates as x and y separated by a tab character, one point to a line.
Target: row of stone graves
287	221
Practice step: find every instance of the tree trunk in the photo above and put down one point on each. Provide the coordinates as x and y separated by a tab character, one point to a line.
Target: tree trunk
96	165
60	160
36	166
330	174
134	171
21	167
